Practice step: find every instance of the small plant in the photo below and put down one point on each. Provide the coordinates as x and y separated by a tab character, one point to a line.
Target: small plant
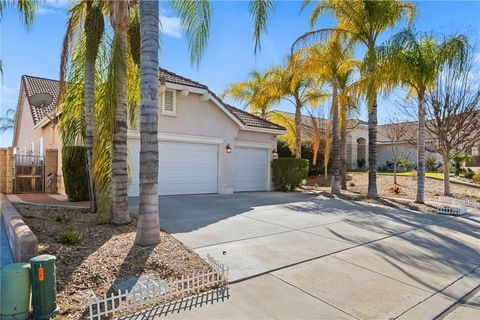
395	188
361	163
431	163
70	238
469	173
476	177
406	164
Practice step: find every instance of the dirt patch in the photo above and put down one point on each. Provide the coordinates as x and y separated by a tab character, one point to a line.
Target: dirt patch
357	186
104	254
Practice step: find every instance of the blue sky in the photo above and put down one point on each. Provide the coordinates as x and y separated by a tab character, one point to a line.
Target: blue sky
229	56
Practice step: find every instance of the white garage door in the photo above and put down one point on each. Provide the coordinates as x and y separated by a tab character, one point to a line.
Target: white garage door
251	167
184	168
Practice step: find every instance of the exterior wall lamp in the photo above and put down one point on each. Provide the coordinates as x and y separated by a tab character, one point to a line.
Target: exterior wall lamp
228	148
274	154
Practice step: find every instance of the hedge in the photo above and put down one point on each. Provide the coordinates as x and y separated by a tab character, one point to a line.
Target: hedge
75	176
288	173
307	153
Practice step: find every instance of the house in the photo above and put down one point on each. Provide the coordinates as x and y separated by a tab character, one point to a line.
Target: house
205	145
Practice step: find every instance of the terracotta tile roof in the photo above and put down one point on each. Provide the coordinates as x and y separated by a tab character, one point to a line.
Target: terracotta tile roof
171	77
34	85
252	120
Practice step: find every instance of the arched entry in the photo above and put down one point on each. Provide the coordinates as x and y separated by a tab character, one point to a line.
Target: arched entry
361	152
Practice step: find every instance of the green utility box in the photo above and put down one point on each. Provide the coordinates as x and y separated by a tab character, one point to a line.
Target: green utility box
15	299
44	286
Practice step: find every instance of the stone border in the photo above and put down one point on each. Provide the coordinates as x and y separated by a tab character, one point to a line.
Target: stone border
23	243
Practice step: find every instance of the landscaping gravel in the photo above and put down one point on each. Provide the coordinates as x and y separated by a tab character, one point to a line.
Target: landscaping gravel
104	254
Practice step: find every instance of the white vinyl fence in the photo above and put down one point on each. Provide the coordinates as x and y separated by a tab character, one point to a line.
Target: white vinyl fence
158	292
453	206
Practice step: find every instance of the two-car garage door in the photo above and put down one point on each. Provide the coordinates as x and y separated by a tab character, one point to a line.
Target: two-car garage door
184	168
192	168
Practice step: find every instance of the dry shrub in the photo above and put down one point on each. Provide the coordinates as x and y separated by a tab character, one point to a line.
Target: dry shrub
394	188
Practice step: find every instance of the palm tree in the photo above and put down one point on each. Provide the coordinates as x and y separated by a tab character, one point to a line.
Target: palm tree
331	61
27	10
415	62
8	121
348	105
289	83
362	21
148	226
255	93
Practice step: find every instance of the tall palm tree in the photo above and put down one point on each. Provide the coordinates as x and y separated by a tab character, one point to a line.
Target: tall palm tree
348	105
27	10
362	21
148	226
301	90
330	61
415	61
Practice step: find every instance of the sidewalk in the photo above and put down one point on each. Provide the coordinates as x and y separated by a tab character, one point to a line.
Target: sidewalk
46	199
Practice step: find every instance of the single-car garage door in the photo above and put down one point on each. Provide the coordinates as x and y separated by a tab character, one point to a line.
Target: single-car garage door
184	168
251	167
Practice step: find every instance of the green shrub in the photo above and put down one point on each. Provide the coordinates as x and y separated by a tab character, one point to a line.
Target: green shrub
307	153
431	163
70	238
469	173
288	173
407	164
74	168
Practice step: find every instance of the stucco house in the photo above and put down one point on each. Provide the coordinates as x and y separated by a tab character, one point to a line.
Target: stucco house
205	145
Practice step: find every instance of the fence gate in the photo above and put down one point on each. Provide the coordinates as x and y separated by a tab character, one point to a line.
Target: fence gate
29	174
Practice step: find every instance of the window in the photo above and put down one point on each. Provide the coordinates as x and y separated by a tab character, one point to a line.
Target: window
169	102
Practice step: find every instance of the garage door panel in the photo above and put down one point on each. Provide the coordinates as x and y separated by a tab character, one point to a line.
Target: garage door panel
184	168
251	165
187	168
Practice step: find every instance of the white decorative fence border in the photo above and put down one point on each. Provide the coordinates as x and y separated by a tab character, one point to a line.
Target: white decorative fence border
153	292
453	206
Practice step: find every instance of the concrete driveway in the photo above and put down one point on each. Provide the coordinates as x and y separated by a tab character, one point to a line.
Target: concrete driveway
304	256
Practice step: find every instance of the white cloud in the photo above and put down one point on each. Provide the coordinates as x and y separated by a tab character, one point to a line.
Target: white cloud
171	26
52	6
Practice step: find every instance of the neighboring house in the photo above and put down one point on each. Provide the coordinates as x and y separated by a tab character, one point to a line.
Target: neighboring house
205	145
33	137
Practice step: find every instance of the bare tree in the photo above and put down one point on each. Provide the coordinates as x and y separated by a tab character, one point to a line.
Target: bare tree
453	107
398	134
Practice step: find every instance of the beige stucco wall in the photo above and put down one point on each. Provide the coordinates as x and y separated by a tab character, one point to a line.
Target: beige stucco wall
405	150
205	119
352	136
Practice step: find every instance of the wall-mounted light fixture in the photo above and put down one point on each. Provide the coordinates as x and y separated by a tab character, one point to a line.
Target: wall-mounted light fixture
228	148
274	154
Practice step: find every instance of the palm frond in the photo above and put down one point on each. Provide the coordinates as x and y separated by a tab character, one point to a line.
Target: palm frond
260	10
195	20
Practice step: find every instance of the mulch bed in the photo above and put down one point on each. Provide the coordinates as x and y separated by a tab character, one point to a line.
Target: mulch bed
105	254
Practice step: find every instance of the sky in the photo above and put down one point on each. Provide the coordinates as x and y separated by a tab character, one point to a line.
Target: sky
229	56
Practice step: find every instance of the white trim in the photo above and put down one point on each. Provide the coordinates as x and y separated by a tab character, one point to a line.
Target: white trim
251	144
180	87
266	130
173	137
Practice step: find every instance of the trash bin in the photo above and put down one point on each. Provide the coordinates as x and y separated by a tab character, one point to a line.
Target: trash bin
44	286
15	299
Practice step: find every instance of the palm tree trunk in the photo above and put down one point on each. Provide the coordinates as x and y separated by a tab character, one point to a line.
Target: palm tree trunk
298	129
446	172
421	150
148	226
343	146
372	148
89	92
120	213
335	186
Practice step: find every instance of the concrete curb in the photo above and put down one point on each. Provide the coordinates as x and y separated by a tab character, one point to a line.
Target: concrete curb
23	243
